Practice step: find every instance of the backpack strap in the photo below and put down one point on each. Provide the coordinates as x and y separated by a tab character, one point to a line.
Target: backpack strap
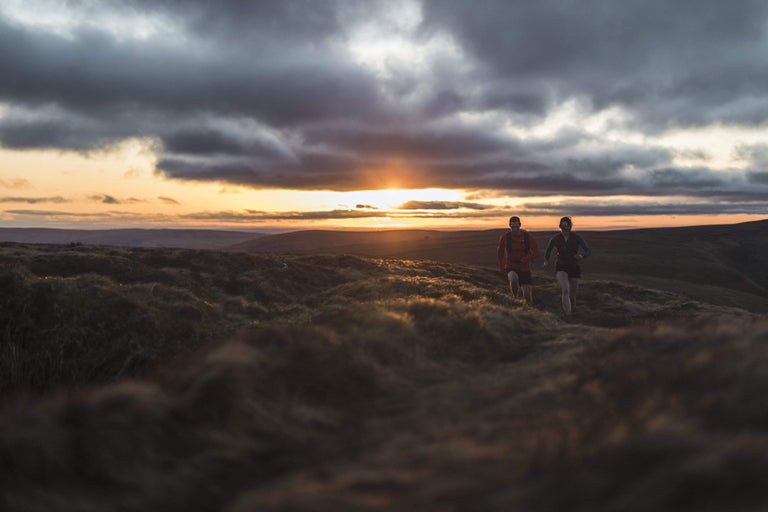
571	245
526	242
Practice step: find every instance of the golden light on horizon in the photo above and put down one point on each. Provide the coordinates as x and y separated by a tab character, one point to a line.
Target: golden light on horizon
393	198
117	187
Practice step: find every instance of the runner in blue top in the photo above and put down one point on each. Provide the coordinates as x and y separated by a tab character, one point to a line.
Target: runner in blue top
568	264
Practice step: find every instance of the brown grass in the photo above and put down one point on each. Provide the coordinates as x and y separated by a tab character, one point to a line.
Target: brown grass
721	265
236	381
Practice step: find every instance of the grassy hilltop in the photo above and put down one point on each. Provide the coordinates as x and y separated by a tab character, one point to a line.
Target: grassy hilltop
174	379
715	264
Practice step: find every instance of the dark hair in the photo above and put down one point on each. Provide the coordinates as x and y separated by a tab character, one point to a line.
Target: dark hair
566	219
514	217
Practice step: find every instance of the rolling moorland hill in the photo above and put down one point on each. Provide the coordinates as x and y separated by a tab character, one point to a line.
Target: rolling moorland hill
139	379
179	238
717	264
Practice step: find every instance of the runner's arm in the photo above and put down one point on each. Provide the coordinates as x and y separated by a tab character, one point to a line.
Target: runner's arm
534	249
501	252
584	246
549	250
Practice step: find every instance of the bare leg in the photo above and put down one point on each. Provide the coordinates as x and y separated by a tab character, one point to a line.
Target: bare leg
562	279
514	281
574	287
528	293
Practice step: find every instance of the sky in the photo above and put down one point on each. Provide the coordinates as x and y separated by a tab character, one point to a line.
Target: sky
448	114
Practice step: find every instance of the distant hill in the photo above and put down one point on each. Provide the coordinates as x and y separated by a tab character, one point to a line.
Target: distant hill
720	264
179	238
468	247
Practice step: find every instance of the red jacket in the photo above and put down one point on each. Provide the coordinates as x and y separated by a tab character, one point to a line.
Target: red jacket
517	259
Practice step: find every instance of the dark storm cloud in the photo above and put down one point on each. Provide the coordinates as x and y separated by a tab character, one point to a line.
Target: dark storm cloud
52	128
758	178
302	20
702	182
211	141
677	179
310	171
670	62
267	94
419	144
342	171
94	73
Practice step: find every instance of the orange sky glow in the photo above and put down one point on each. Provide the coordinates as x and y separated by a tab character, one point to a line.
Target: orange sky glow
117	188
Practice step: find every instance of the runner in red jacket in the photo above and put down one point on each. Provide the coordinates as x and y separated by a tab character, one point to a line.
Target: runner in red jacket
517	248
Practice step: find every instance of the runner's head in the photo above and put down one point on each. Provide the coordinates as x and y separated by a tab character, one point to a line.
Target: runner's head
566	224
514	223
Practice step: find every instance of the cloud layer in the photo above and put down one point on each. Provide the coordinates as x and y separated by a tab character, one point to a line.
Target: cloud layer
518	98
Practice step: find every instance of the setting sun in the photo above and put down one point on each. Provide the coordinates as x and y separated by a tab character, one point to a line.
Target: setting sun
391	199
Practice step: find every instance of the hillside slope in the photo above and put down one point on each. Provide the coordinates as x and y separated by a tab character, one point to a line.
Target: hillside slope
179	238
334	383
717	264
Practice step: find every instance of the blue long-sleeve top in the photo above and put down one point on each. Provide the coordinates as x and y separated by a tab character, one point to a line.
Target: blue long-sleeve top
564	255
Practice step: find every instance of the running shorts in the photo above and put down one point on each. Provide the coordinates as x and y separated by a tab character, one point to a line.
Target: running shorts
523	276
573	270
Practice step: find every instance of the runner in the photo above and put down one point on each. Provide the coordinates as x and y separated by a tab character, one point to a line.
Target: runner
568	264
517	248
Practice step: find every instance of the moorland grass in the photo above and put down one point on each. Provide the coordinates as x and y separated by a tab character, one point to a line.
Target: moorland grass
234	381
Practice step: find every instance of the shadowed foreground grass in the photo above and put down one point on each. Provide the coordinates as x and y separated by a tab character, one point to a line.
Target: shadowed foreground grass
337	383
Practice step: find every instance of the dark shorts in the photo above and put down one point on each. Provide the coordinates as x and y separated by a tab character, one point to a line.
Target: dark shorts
573	270
523	276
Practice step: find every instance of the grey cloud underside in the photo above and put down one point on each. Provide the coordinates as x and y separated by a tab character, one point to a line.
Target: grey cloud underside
587	209
254	216
442	205
235	20
511	177
104	199
573	208
758	178
670	62
532	210
115	77
264	94
51	213
33	200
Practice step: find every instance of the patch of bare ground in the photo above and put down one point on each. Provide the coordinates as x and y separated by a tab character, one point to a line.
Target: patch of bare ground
341	383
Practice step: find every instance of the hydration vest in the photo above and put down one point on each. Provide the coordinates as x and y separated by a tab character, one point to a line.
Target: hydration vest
569	248
526	242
